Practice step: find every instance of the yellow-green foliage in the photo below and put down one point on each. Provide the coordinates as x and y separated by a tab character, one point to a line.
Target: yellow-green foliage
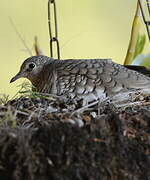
28	90
4	99
140	45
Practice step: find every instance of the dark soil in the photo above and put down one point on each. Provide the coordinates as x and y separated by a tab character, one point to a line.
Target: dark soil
49	139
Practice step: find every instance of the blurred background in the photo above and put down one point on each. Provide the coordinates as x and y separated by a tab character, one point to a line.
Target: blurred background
87	29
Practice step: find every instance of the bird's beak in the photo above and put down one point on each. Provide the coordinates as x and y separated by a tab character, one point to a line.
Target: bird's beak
19	75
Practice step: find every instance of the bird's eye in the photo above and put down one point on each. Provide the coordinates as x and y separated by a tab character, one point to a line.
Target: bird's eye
31	65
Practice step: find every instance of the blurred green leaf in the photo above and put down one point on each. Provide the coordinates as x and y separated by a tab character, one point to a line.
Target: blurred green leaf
140	45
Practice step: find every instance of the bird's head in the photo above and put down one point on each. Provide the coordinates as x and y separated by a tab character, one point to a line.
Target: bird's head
31	67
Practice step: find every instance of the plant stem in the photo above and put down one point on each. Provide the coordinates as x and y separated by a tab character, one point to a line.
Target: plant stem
134	36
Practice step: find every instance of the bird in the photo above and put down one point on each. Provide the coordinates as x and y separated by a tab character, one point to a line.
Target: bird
88	79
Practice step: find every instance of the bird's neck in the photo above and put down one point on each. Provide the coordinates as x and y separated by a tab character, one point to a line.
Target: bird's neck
43	81
38	80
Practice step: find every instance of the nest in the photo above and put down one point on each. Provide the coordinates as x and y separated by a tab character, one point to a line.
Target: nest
56	138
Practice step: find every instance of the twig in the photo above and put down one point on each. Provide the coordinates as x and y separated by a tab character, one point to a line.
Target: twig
131	104
51	95
36	47
22	113
85	107
20	37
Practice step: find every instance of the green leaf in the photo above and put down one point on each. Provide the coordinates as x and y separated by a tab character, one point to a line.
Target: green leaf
140	45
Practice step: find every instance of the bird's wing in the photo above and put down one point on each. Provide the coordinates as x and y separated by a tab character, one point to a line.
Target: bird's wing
99	78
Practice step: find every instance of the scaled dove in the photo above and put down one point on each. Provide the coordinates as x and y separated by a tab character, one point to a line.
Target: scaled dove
90	79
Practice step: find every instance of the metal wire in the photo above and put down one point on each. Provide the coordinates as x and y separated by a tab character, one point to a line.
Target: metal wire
148	6
53	30
147	23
